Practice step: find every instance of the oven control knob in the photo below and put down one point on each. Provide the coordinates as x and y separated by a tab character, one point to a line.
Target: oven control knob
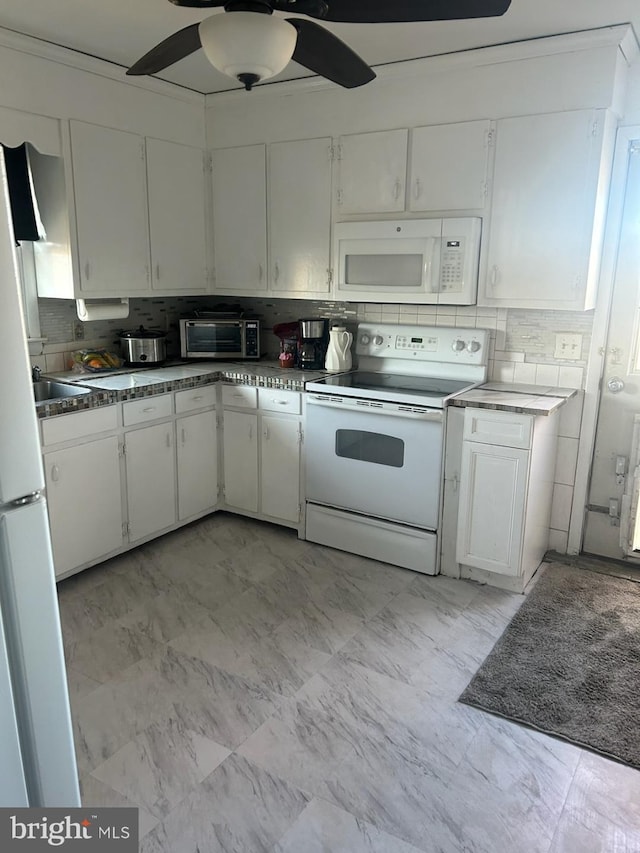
364	340
378	340
458	345
473	346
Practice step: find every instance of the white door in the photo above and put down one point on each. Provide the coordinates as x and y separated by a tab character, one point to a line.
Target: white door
280	467
176	182
373	172
240	219
240	450
151	480
109	180
197	463
84	525
492	507
300	216
612	469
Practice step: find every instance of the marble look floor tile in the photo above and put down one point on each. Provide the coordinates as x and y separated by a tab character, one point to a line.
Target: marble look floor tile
323	628
79	684
165	616
302	744
602	809
449	594
106	652
239	808
360	597
161	766
385	577
324	827
95	793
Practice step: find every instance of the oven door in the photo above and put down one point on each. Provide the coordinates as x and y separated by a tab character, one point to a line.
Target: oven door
379	459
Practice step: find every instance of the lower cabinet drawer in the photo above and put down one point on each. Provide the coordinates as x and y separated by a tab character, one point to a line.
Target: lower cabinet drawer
277	400
195	398
240	396
147	409
502	428
79	425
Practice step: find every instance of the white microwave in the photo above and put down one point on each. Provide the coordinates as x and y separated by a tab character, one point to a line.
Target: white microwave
433	261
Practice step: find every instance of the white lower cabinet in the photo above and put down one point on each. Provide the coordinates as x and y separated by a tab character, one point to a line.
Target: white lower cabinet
85	515
261	451
506	488
240	449
196	437
280	467
151	479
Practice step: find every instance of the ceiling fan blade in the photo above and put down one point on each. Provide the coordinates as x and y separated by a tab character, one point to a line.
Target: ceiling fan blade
399	11
172	49
322	52
199	4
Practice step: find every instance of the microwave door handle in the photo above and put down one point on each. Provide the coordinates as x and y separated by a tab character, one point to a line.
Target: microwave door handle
432	265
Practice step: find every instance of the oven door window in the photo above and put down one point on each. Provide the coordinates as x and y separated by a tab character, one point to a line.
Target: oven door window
215	338
374	447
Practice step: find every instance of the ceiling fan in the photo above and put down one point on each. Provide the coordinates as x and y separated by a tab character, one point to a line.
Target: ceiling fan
250	44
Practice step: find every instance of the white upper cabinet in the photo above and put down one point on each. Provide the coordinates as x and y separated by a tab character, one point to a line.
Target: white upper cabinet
449	166
300	216
240	219
549	189
109	179
372	172
176	182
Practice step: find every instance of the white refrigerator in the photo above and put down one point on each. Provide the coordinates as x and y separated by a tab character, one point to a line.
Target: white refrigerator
37	757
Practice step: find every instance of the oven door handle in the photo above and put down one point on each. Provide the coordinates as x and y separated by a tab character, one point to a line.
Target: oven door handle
372	407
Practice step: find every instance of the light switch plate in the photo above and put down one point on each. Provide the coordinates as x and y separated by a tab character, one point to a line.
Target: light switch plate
568	346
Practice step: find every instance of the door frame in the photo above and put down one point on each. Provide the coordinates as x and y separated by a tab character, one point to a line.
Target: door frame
597	353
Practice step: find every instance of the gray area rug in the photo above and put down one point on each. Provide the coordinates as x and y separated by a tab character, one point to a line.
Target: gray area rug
568	663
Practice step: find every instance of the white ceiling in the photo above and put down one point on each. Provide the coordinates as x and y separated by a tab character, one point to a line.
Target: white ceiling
121	31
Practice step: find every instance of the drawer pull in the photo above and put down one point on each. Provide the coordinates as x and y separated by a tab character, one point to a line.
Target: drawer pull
149	409
281	402
199	397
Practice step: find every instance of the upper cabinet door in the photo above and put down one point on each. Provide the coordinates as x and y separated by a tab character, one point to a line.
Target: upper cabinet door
300	216
176	181
373	172
240	219
109	179
449	165
549	187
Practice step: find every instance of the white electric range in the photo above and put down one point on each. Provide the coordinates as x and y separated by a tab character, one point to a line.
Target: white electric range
375	441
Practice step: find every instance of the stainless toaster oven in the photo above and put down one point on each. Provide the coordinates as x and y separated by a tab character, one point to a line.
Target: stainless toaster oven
221	338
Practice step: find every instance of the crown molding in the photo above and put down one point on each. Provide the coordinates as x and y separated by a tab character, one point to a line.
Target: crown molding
91	64
621	36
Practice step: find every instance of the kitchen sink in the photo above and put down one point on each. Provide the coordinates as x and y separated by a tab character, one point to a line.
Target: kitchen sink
46	389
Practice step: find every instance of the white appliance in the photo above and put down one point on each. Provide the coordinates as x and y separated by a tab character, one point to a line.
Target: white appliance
410	260
375	441
37	758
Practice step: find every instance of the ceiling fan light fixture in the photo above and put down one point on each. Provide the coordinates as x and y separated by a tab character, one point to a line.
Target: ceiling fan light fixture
248	46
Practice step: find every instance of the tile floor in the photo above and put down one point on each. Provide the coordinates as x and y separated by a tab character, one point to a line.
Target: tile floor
251	692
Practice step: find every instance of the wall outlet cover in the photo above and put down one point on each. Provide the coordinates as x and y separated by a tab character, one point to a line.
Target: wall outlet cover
568	346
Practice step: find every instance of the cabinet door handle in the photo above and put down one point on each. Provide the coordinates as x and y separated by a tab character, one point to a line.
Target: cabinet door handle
250	431
55	473
260	272
276	271
158	272
183	436
417	189
169	439
267	433
495	275
87	270
396	189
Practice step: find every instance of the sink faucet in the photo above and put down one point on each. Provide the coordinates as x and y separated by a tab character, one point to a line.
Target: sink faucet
36	373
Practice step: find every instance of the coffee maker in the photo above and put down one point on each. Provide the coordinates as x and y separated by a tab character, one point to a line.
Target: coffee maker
312	344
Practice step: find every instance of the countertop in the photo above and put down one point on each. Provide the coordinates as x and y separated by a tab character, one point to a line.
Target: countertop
514	397
119	385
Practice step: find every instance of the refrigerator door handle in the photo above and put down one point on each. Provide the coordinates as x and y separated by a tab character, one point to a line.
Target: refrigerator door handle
31	498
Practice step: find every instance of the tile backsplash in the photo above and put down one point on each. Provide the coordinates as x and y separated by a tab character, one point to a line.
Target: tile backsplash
522	342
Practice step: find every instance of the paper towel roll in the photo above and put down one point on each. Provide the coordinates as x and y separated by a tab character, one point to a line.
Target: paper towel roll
102	309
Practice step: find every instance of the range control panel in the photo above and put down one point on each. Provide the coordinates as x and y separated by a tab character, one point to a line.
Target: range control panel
423	343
